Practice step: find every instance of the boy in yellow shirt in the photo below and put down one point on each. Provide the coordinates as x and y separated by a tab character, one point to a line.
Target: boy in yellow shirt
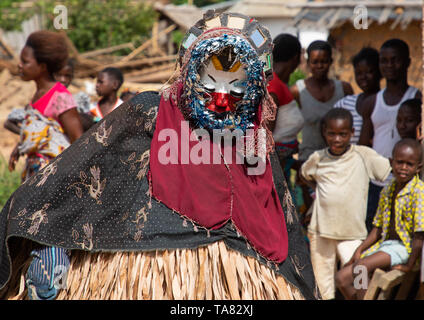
396	239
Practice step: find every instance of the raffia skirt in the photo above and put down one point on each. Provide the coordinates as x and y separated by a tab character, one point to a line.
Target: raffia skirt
212	272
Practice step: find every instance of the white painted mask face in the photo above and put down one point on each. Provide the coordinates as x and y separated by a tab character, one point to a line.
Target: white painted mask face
223	88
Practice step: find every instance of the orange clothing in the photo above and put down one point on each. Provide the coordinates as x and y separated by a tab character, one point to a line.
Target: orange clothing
97	113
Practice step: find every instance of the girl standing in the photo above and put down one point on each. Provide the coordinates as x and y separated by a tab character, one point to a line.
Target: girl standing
52	112
315	96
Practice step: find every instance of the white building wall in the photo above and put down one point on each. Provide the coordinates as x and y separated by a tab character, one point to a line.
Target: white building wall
308	36
16	39
281	25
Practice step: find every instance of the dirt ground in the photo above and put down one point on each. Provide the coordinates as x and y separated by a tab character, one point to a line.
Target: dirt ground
14	93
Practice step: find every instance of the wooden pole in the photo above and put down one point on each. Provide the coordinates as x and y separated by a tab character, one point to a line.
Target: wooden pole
155	39
8	49
154	77
97	52
128	64
147	43
168	66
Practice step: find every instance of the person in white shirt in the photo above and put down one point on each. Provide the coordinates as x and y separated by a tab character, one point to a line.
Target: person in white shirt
340	174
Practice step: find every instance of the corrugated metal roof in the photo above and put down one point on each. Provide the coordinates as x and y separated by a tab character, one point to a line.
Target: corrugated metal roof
353	3
331	17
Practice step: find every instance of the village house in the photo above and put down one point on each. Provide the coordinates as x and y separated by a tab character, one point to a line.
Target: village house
348	33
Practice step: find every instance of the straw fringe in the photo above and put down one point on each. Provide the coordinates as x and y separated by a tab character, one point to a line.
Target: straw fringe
210	272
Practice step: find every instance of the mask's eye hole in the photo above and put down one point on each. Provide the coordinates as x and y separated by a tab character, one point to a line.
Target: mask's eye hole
236	94
209	88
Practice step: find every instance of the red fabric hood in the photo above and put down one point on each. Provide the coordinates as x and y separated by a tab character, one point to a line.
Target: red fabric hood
212	194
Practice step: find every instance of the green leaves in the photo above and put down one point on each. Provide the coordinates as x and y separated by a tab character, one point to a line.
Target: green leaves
296	75
99	24
12	14
9	181
93	24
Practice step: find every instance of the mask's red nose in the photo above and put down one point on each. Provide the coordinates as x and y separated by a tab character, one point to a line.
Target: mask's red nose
221	102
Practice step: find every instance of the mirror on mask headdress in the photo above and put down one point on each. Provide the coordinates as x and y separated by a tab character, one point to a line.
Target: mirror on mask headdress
224	79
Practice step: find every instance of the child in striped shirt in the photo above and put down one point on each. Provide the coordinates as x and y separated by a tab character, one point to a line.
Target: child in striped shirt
367	76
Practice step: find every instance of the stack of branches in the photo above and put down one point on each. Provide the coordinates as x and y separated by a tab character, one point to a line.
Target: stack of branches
8	57
14	93
147	63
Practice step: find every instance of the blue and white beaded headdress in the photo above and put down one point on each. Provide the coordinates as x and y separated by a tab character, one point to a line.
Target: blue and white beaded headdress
252	46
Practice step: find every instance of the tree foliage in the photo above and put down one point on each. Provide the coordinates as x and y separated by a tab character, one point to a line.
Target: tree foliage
296	75
98	24
9	181
12	15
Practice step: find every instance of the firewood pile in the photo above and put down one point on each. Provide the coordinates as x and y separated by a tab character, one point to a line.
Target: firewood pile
14	93
148	63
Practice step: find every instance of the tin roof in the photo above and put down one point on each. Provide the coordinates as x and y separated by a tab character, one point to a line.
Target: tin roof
331	14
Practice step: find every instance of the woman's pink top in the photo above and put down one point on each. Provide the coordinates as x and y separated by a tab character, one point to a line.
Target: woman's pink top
55	102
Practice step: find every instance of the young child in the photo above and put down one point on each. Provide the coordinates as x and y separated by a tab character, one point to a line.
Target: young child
66	74
109	80
396	239
408	121
65	77
340	174
367	76
409	118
